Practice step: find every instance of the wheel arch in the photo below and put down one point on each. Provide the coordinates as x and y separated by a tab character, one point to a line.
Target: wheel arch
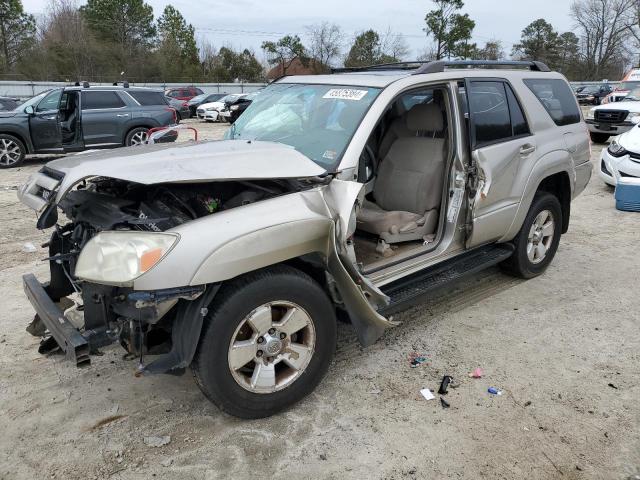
27	144
559	185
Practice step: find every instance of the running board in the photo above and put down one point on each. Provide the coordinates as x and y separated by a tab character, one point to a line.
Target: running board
407	291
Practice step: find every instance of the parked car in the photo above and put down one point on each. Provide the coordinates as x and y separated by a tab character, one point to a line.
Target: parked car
614	118
593	94
72	119
233	257
180	106
234	108
183	93
196	101
621	159
620	91
8	104
210	112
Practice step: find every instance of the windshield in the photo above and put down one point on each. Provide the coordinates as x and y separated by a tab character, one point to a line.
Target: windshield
316	120
32	101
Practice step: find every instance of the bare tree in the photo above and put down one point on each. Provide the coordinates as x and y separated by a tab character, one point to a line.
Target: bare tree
394	45
604	28
325	43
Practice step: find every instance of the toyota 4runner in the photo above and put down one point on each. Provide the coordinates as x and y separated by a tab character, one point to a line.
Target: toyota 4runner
352	193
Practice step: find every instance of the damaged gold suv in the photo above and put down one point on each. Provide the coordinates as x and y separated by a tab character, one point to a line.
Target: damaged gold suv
353	193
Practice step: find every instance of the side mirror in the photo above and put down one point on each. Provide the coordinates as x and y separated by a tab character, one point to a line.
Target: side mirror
29	110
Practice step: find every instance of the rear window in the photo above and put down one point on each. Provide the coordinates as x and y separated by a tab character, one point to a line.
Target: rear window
557	99
196	91
96	100
148	98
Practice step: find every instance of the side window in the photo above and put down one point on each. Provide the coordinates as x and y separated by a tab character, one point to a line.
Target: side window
518	122
148	98
173	93
489	112
556	98
50	101
101	99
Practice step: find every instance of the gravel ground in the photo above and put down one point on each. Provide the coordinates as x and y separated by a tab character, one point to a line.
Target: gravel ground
563	347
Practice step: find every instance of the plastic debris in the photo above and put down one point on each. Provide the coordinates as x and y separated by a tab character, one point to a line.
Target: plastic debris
613	386
444	403
166	462
29	247
416	359
477	373
446	380
157	441
494	391
427	394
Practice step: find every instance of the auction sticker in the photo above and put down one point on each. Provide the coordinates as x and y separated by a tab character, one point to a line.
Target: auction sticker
345	94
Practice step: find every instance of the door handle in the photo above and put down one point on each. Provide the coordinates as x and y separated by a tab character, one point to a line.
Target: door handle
50	118
527	148
122	115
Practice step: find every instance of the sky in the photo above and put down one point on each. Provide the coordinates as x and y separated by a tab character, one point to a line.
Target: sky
247	23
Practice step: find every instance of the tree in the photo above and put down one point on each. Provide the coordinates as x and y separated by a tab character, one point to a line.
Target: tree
539	41
17	32
394	45
568	56
604	28
367	49
178	52
285	51
230	66
492	50
126	31
450	30
325	43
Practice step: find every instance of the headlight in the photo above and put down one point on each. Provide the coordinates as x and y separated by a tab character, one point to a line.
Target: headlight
210	109
634	117
589	115
616	150
121	257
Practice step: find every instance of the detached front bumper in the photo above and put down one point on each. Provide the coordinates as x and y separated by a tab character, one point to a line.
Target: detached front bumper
68	338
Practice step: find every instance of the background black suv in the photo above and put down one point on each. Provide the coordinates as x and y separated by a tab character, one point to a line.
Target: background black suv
77	118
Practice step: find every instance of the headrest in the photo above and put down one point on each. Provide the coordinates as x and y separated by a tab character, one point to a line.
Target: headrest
425	117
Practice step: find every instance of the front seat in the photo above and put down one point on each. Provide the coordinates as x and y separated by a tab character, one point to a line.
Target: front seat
410	180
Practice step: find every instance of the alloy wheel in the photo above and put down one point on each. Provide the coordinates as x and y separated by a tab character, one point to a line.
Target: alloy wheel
10	152
540	236
271	347
139	138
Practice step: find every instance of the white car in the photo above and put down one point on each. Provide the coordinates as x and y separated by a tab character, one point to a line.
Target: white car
621	158
210	112
613	119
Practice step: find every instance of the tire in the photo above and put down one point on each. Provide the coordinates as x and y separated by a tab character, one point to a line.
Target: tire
12	151
136	136
599	137
231	318
529	244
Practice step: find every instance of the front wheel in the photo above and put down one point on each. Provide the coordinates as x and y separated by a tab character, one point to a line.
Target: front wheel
12	151
537	241
267	342
137	136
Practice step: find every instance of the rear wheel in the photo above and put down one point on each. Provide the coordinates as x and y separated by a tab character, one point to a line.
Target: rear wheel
267	342
12	151
599	137
137	136
537	242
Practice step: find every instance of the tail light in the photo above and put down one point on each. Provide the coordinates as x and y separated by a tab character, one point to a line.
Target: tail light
185	103
173	112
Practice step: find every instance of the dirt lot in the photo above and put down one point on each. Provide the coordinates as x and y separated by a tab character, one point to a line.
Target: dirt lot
563	347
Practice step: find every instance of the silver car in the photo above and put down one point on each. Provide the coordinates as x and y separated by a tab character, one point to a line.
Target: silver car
350	194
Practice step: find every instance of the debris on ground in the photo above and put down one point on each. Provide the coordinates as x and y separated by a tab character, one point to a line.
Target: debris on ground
477	373
527	403
613	386
494	391
446	380
416	359
166	462
444	403
157	441
427	394
375	391
29	248
105	421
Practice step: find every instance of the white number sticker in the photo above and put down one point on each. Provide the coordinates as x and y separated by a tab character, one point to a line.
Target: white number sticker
345	94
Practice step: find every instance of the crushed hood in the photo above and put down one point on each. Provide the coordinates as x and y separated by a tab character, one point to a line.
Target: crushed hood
188	162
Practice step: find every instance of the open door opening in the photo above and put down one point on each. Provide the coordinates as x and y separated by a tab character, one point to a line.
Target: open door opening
405	167
70	124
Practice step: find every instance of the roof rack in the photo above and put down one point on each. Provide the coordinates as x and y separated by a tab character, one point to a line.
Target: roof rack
437	66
